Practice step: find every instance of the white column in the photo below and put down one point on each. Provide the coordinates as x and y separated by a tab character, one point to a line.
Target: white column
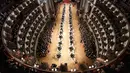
86	6
47	8
53	5
81	2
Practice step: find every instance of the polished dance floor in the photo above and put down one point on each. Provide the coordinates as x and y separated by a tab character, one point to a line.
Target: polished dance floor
79	53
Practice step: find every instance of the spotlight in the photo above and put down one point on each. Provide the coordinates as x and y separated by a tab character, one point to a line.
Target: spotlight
74	69
90	67
14	50
98	69
106	60
23	53
71	70
35	65
52	69
55	69
23	59
116	52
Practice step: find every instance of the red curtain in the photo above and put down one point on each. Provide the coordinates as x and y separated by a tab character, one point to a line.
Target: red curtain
66	1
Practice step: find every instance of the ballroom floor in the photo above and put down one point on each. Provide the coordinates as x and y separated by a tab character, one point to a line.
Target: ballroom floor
65	52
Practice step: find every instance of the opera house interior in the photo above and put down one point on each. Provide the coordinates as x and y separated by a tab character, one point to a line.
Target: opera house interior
64	36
